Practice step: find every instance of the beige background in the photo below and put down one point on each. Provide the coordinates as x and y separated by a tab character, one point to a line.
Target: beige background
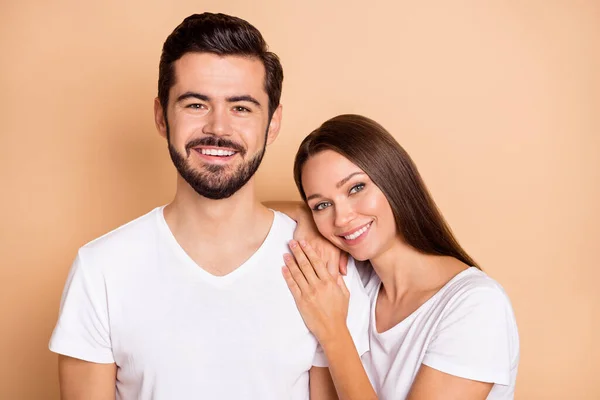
497	101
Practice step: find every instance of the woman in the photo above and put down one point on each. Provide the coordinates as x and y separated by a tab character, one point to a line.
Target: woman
440	328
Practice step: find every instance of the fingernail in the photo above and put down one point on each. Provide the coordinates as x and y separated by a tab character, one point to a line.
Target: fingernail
287	257
293	243
303	243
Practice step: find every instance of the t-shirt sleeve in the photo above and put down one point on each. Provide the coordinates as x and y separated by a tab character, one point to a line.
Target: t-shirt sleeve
82	330
473	338
358	315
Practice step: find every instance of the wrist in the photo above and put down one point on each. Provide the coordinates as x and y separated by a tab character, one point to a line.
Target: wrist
336	339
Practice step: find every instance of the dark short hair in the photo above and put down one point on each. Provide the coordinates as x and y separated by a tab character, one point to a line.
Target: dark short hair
374	150
223	35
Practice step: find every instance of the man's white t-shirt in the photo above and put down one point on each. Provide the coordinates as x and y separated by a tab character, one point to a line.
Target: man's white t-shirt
135	298
466	329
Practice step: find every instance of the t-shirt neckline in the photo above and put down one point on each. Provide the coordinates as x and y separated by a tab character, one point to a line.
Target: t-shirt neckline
413	315
196	271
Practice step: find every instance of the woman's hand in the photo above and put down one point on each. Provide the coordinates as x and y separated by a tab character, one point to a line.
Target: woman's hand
321	298
306	229
335	259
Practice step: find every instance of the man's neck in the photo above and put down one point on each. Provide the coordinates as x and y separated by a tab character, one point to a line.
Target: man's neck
207	220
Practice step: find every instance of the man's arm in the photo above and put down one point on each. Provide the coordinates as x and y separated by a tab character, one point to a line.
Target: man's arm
83	380
321	384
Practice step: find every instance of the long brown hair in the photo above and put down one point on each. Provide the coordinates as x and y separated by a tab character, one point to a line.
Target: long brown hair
370	147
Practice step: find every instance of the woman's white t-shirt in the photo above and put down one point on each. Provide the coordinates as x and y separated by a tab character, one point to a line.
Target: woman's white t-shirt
466	329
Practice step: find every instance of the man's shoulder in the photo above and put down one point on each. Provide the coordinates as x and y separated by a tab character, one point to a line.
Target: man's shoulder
353	277
284	224
126	237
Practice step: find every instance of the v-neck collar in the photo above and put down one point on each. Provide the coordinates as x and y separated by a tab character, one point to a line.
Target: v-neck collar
196	271
412	315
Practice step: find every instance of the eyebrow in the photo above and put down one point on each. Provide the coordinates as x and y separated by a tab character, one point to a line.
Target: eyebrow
232	99
188	95
337	185
246	97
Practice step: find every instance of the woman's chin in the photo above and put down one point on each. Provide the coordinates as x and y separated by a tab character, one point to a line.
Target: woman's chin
359	255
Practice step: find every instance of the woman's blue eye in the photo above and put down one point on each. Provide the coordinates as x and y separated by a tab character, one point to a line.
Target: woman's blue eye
357	188
321	206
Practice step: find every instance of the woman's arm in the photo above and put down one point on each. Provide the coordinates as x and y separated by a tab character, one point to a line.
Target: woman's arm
323	303
306	229
431	384
348	374
321	385
296	210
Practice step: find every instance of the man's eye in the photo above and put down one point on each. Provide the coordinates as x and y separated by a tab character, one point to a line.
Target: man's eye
357	188
241	109
196	106
321	206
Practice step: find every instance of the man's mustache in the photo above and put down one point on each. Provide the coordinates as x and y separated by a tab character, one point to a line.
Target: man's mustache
214	142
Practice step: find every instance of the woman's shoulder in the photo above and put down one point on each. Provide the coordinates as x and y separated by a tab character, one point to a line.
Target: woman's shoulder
473	282
473	295
475	323
474	333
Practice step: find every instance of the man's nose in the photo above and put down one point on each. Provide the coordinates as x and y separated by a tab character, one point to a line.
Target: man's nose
217	122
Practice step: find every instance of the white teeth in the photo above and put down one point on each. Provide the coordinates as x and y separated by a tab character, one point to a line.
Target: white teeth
215	152
357	233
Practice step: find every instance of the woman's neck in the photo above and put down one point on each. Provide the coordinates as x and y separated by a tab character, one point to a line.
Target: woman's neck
398	269
404	270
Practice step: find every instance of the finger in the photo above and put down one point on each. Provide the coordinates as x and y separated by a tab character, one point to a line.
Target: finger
292	285
333	266
315	261
303	263
295	272
344	263
332	262
328	254
342	285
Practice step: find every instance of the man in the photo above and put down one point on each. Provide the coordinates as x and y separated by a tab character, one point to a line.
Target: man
188	301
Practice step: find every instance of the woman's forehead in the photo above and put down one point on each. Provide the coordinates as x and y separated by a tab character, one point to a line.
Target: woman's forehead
326	168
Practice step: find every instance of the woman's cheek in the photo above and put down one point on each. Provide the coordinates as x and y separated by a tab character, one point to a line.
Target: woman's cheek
324	225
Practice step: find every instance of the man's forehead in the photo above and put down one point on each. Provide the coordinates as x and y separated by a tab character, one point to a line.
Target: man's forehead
227	73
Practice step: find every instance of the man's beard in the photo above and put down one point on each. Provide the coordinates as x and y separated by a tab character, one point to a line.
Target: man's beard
214	182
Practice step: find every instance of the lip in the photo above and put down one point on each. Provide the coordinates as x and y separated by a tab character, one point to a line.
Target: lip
352	242
355	229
